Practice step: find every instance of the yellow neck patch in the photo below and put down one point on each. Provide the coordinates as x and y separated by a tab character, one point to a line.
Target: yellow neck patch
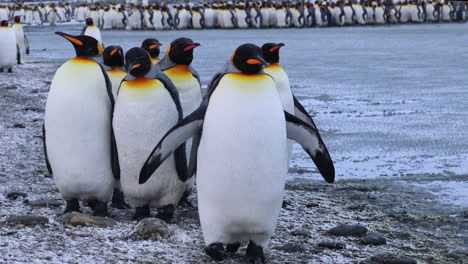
82	60
142	83
154	60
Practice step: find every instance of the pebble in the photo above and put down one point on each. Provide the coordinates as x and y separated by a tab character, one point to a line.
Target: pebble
27	220
291	248
331	245
44	203
373	238
300	232
10	87
18	125
348	230
13	195
150	228
79	219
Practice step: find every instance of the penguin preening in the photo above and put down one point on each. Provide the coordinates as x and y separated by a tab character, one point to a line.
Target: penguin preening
147	107
242	155
152	45
8	47
79	145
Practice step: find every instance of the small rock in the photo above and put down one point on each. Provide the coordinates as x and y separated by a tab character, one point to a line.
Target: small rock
150	228
312	205
331	245
79	219
348	230
373	238
291	248
44	203
465	214
18	125
34	109
300	232
285	204
11	87
27	220
15	195
392	259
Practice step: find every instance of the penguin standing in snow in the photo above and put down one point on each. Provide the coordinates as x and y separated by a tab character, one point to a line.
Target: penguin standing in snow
147	107
79	145
152	45
242	165
21	40
91	30
8	50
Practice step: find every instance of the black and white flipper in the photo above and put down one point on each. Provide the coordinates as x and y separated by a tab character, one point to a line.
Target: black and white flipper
176	136
309	138
301	112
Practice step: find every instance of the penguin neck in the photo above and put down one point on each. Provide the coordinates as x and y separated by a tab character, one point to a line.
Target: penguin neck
154	60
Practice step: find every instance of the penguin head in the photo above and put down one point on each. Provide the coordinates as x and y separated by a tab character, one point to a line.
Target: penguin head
248	58
113	56
271	52
138	62
181	51
85	46
4	23
17	19
89	21
151	45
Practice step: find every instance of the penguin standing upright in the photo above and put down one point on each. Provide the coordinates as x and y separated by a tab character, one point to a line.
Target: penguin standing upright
79	145
114	65
21	40
147	107
91	30
8	50
152	45
241	171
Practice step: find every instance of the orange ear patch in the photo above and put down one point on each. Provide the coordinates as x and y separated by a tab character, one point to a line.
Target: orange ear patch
253	61
153	46
275	48
74	40
114	51
136	66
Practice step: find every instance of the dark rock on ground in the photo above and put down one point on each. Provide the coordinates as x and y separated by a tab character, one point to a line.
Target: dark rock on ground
15	195
34	109
291	248
150	228
300	232
27	220
331	245
348	230
373	238
311	205
10	87
18	125
44	203
389	259
79	219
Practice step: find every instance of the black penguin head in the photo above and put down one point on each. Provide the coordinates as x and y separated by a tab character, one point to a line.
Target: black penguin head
271	52
17	19
151	45
4	23
89	21
248	58
138	62
181	51
113	56
85	46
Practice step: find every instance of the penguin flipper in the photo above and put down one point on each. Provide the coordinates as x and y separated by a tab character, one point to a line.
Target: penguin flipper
192	168
18	55
309	138
175	137
26	43
49	168
299	111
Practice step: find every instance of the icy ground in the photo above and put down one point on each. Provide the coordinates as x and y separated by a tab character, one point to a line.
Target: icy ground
391	103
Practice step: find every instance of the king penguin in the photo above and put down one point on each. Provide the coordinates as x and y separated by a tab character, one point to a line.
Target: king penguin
147	107
114	65
79	144
91	30
241	170
8	50
152	45
21	40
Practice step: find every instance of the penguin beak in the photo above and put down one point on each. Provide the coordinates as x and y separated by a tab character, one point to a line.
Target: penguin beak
257	61
277	47
70	38
192	46
155	46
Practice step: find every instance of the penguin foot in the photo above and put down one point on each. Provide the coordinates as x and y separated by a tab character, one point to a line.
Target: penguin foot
255	253
232	248
166	213
72	206
10	70
118	200
216	251
141	213
1	70
99	208
184	202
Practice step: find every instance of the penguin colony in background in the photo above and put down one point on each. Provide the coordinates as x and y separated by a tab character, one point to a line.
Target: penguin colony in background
116	125
14	44
242	14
